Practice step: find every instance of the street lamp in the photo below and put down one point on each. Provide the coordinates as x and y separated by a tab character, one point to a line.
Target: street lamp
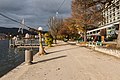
41	49
57	14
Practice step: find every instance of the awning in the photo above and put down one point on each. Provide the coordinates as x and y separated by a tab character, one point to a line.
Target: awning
100	28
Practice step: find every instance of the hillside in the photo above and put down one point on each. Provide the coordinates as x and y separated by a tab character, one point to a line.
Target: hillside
14	31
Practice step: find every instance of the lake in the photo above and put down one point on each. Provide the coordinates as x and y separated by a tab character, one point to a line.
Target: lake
10	57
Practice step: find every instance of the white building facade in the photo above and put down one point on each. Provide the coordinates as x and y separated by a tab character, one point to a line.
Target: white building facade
111	19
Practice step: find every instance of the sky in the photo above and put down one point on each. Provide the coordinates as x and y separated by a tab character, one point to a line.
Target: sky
35	12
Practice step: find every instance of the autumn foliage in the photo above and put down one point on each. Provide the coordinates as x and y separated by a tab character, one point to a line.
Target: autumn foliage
86	15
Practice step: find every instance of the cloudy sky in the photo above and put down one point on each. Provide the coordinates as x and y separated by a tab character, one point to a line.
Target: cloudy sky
35	12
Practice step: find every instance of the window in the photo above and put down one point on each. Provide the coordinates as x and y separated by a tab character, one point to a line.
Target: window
107	17
98	31
113	14
110	12
110	20
117	26
117	3
118	13
109	28
114	19
118	7
110	16
118	17
114	10
93	32
107	21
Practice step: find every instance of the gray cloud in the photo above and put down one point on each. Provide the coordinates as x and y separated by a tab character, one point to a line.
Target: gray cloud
11	5
35	12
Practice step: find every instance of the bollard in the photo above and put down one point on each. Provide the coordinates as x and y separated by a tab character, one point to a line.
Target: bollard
28	57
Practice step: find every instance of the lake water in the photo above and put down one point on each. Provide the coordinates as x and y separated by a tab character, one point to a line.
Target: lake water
10	57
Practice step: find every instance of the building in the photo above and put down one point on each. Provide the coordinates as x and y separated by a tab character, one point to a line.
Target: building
112	14
2	36
111	20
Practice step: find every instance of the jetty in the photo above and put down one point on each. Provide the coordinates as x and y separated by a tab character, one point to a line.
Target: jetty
24	43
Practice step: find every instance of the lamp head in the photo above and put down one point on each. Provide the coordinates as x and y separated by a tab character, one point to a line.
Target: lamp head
79	32
40	28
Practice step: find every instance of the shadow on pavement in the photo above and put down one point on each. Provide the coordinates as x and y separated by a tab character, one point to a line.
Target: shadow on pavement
60	44
50	59
61	50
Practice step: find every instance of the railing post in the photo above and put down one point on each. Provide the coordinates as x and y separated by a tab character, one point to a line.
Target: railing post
92	44
10	42
96	43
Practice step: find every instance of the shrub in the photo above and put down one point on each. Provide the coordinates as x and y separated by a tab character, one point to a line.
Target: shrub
48	39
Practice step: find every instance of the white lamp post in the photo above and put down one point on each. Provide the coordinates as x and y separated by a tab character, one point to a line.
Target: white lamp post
41	49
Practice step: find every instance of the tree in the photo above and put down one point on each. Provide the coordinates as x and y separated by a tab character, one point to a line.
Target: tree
54	24
85	16
77	7
69	28
104	5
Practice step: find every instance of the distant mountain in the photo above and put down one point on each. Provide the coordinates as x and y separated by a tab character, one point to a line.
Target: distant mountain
14	31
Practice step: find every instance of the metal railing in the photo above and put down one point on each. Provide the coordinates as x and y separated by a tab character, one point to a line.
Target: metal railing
93	44
24	42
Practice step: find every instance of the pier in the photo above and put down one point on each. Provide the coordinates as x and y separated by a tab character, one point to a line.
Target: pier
24	43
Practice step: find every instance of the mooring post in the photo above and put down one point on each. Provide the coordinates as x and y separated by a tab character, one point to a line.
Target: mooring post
10	42
28	57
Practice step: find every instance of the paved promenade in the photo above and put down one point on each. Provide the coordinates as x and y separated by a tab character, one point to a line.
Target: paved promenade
68	62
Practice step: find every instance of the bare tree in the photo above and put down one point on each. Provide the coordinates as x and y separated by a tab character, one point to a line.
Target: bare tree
54	24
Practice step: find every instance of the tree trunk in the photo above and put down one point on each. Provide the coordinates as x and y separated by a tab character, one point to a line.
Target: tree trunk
85	36
118	38
85	33
55	39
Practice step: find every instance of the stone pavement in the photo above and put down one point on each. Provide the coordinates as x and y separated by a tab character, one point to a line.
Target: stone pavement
68	62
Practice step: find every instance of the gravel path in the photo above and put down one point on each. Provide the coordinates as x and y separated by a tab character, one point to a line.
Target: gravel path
68	62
